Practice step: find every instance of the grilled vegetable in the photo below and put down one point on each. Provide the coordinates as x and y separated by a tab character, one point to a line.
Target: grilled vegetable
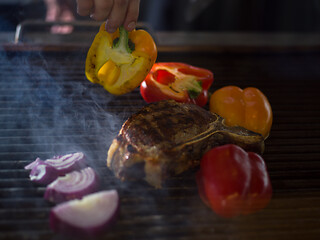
233	182
248	108
43	174
33	164
73	185
120	61
166	138
177	81
63	164
90	216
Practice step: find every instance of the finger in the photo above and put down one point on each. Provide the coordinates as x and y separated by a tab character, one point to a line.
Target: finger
102	9
131	19
84	7
117	15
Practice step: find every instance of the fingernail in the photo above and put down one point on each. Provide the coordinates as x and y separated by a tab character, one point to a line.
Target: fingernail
131	26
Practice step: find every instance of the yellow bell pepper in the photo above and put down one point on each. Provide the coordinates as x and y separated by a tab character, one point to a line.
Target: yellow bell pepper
120	61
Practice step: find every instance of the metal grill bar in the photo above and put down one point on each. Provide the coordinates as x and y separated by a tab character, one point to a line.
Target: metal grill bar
48	107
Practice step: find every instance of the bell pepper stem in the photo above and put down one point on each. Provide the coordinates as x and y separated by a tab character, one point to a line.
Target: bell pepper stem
195	91
123	43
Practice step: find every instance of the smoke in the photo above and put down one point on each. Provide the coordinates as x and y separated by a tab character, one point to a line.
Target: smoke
55	109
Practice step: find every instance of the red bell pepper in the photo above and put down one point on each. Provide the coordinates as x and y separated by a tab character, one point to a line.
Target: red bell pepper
233	182
178	81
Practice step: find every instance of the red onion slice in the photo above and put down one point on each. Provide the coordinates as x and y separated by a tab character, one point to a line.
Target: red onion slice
90	216
43	174
73	185
34	164
63	164
67	163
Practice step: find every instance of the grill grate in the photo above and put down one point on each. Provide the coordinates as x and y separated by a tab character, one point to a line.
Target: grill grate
47	107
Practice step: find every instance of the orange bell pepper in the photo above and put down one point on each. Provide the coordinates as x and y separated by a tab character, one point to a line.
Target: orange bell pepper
121	60
248	108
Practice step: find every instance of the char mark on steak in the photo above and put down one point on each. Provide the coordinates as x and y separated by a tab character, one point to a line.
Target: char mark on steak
167	138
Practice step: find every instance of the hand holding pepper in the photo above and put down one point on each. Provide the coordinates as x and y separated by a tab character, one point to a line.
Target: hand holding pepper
117	13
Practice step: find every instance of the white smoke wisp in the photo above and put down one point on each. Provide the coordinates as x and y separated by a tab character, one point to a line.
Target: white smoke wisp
59	111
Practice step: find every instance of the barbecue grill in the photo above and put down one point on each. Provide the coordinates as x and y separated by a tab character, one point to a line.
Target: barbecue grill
48	108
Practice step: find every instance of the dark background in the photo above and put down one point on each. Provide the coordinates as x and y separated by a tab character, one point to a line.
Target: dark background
220	15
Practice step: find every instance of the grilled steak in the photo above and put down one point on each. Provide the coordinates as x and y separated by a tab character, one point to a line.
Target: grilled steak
166	138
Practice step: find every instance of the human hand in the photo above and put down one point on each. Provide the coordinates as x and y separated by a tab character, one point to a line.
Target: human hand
115	12
58	10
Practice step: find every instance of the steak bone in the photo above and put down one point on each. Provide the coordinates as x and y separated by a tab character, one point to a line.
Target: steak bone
166	138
